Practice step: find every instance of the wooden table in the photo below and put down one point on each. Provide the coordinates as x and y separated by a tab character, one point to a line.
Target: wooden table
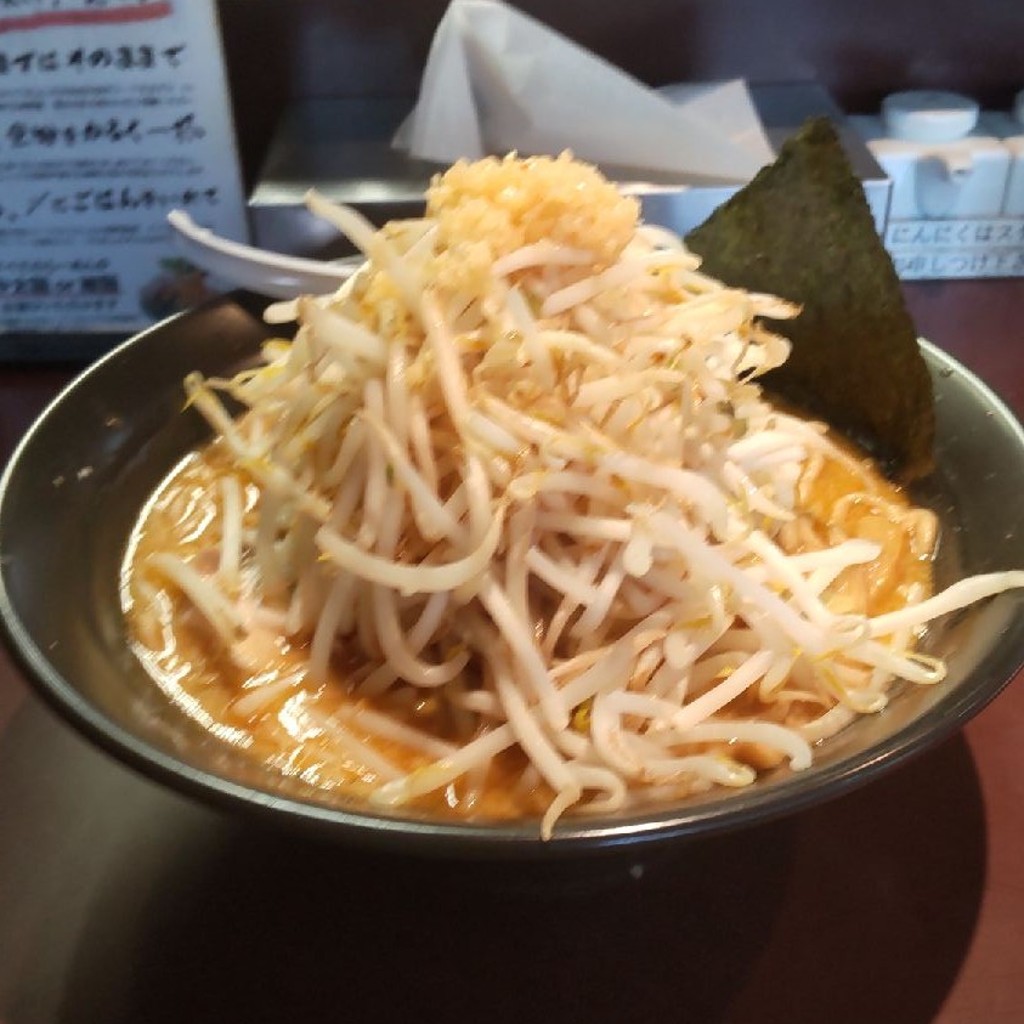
900	902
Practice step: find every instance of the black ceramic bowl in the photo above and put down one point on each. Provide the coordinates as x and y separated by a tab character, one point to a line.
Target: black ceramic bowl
75	485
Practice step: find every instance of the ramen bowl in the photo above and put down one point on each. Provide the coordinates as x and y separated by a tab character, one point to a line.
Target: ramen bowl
75	486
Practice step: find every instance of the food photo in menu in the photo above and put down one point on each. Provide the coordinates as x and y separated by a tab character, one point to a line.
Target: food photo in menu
111	115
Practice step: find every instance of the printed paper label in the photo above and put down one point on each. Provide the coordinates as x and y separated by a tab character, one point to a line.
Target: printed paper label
932	249
112	113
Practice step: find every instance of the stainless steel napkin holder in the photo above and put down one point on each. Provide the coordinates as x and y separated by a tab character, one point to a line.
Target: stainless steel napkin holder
342	146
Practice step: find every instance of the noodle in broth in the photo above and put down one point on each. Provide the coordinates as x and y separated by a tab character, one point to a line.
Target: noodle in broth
510	528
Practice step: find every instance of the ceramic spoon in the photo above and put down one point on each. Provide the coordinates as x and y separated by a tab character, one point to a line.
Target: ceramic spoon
270	273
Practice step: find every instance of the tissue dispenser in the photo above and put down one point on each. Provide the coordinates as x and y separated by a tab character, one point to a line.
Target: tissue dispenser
343	148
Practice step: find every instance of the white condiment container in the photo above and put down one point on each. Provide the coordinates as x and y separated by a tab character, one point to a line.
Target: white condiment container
940	163
1009	127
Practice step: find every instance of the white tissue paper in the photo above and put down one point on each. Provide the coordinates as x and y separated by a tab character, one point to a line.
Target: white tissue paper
497	80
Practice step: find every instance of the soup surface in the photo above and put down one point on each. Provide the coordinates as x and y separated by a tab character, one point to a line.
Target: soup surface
260	697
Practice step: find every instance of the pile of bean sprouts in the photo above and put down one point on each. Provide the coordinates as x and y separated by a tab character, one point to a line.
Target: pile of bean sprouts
532	475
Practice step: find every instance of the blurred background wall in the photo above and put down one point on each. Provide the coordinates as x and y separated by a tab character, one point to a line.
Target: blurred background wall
859	49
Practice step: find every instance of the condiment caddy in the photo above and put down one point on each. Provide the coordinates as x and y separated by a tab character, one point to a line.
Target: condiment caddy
957	200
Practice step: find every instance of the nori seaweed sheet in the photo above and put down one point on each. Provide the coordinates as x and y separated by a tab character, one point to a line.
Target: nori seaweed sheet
802	230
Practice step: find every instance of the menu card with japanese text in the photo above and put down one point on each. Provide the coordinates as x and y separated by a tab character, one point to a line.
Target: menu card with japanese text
112	113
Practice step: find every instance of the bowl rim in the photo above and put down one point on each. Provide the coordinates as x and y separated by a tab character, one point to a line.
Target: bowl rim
424	835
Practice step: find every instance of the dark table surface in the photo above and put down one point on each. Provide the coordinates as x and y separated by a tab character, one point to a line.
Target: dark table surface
902	901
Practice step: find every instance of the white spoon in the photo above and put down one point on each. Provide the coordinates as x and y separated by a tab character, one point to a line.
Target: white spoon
270	273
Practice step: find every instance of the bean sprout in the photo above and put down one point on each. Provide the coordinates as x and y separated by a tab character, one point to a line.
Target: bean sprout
518	477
